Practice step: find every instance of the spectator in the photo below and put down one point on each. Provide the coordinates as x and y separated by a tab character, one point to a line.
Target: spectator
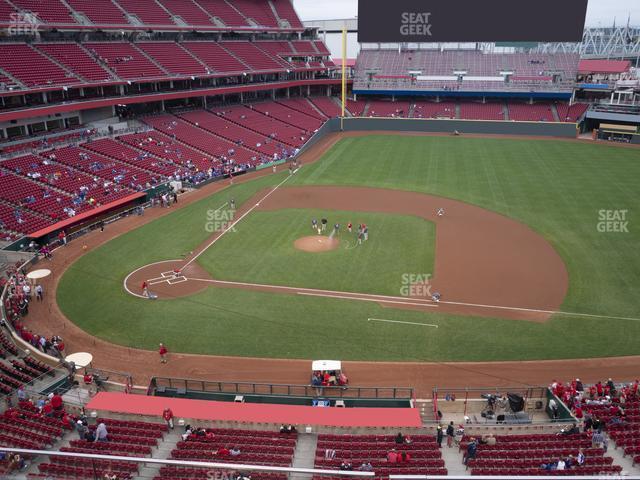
401	439
450	434
223	452
56	402
597	440
167	415
346	466
392	456
22	395
101	433
234	451
439	436
553	406
489	440
81	429
404	457
472	449
560	465
366	467
288	429
187	433
581	458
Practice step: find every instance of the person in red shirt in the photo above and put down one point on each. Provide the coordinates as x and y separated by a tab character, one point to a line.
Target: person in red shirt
167	415
223	451
56	402
47	409
162	350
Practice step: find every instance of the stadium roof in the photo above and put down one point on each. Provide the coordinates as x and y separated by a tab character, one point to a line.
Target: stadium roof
603	66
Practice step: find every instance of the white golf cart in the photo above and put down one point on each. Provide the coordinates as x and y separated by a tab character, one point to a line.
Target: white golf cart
328	373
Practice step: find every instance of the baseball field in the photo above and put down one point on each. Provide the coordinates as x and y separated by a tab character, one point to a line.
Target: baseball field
535	258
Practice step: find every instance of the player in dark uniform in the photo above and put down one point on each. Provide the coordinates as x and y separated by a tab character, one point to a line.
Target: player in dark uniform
324	222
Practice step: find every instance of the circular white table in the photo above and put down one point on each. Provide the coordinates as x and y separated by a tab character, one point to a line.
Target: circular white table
80	359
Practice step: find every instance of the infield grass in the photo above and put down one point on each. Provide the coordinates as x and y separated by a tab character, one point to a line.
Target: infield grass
556	187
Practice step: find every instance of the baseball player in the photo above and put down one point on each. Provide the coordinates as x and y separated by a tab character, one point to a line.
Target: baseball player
314	225
440	212
360	235
349	226
336	227
365	232
233	204
324	222
436	297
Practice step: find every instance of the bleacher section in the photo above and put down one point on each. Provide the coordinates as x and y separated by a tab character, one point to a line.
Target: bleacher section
424	454
465	70
525	455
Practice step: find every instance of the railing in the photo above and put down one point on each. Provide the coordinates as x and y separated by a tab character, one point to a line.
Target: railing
289	390
213	466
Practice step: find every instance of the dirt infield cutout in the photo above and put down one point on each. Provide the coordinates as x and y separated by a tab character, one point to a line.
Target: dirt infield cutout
316	244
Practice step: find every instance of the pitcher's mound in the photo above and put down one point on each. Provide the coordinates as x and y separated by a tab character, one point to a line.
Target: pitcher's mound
316	243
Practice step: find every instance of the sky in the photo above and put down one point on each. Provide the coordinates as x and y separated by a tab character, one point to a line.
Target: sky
599	13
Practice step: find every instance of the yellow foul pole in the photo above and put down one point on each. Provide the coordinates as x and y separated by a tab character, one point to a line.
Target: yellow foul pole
344	74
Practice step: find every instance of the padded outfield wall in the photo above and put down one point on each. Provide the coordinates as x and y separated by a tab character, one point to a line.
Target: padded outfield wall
419	125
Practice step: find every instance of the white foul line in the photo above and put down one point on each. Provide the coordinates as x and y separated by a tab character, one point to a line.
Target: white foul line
534	310
380	299
230	227
398	321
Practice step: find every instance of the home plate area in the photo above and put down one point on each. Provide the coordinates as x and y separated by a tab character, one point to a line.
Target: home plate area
171	277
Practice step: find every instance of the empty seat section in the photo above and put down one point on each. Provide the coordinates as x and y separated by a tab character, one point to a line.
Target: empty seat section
75	58
434	110
571	113
223	11
123	153
285	11
216	57
252	55
304	47
33	68
481	111
303	105
173	58
383	108
327	105
125	60
289	116
51	11
100	12
147	11
256	10
188	11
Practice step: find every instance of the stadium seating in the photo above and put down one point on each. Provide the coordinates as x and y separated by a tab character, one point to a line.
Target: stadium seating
125	60
245	142
257	12
303	105
287	115
147	12
252	56
51	11
285	11
434	110
482	111
538	112
75	59
99	12
525	455
327	105
571	113
262	123
188	12
256	447
356	107
527	71
425	458
230	16
127	155
19	60
387	108
173	58
217	58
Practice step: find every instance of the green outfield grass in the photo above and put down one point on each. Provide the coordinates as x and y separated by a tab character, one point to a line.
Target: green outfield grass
556	187
261	251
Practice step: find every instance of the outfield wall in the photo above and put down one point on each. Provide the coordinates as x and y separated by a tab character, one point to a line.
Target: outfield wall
486	127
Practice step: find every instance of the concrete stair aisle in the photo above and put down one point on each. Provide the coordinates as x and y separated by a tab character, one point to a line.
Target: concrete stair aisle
304	454
628	469
163	451
457	110
453	460
554	112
